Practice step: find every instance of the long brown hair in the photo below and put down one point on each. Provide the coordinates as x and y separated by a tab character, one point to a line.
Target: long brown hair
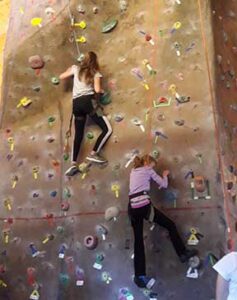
89	67
145	160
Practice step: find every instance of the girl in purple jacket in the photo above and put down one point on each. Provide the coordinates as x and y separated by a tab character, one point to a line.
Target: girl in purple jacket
140	208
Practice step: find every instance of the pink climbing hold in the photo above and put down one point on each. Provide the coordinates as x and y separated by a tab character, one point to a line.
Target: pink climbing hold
36	62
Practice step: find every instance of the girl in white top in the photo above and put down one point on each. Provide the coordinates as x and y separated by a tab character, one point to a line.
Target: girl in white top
226	286
86	85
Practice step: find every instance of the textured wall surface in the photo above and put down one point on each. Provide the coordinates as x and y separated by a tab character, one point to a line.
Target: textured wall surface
31	208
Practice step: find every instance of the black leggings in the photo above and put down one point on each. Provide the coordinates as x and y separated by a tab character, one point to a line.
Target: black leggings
137	215
82	107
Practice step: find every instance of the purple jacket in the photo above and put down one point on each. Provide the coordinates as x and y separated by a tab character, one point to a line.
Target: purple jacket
140	179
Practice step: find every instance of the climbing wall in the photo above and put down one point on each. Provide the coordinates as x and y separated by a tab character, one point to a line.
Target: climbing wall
68	239
224	18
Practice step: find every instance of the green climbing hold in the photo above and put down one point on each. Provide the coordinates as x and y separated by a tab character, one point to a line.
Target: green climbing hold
66	156
55	80
109	25
51	120
90	135
105	98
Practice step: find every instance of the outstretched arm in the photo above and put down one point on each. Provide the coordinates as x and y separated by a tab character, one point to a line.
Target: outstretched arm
66	74
161	181
222	288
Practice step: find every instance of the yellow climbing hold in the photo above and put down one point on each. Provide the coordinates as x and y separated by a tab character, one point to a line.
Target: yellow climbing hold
177	25
81	39
82	24
36	22
24	102
173	88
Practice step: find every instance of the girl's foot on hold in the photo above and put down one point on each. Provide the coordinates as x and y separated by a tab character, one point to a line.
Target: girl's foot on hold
73	170
144	281
96	158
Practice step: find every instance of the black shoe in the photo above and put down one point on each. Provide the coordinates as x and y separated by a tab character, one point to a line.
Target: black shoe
73	170
188	254
144	281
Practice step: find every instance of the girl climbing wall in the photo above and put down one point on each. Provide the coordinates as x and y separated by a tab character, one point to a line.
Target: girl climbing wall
140	208
86	88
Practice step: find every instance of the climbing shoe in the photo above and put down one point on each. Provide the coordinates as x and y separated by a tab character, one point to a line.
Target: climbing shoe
73	170
144	281
188	254
96	158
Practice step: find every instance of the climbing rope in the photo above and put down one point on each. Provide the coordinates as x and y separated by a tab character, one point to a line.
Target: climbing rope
73	30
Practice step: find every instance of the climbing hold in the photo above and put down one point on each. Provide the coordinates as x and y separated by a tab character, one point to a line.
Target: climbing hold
82	24
112	213
106	277
81	39
48	238
64	279
118	118
50	140
155	154
162	102
179	122
51	120
90	242
138	123
36	22
182	99
81	9
60	229
25	102
55	80
177	48
67	193
115	188
10	141
90	135
35	171
49	11
149	67
65	206
7	204
53	194
35	295
98	262
34	251
62	250
123	5
193	240
36	62
31	276
81	57
95	10
14	181
125	294
109	25
101	230
79	276
105	99
159	134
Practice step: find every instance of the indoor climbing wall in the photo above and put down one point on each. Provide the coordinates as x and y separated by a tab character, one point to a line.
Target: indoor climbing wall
224	19
71	238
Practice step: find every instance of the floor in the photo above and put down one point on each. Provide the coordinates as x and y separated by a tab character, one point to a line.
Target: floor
183	136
